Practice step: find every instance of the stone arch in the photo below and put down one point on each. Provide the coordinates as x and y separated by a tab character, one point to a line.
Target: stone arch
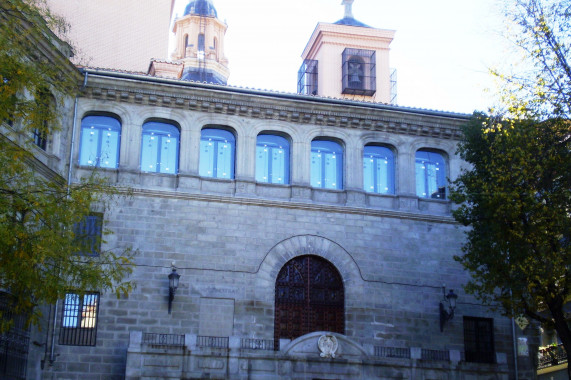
299	245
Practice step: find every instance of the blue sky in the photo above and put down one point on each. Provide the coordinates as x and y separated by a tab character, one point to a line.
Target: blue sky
442	48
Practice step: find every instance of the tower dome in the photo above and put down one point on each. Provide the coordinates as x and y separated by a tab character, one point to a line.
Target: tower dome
200	7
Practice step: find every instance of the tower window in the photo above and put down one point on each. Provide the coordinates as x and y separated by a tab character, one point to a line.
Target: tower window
358	72
185	44
307	77
201	42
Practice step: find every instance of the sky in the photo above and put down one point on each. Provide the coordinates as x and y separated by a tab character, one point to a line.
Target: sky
442	50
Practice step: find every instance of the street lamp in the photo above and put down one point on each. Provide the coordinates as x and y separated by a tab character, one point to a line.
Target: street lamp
450	299
173	285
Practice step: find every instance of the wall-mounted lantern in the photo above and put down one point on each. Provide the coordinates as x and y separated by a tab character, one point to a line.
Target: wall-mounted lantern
450	299
173	285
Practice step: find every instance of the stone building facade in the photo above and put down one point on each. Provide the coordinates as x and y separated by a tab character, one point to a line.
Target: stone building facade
231	238
313	238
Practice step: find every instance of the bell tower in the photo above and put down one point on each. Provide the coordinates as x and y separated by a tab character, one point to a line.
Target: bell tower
200	43
348	59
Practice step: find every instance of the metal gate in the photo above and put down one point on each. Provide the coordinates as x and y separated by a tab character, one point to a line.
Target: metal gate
14	344
309	297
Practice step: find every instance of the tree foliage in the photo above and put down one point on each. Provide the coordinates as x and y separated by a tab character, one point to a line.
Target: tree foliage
516	194
517	200
539	83
40	255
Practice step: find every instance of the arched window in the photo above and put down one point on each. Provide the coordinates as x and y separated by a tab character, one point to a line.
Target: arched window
201	42
215	45
185	44
430	171
309	297
272	159
378	170
326	164
159	148
217	150
99	144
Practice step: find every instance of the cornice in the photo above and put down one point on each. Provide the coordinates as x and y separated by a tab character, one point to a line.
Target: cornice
224	100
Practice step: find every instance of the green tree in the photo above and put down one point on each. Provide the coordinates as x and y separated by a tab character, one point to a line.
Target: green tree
539	81
40	255
516	199
516	195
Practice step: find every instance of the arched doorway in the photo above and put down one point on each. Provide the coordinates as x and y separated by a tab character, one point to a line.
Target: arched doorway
309	297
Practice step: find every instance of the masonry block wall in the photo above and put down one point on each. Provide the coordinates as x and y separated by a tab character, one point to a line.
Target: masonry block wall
229	239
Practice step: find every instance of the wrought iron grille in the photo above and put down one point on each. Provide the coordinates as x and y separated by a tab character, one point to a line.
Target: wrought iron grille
441	355
257	344
307	83
479	340
79	319
163	340
392	352
212	341
14	343
88	234
552	355
358	72
309	297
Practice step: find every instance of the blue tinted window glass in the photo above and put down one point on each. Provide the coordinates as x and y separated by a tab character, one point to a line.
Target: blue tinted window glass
217	150
326	167
99	144
430	171
159	148
272	159
378	170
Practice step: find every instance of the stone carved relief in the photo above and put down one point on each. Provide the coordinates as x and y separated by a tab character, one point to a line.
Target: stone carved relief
328	345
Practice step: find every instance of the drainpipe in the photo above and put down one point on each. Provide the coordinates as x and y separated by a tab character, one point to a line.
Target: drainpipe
515	348
69	176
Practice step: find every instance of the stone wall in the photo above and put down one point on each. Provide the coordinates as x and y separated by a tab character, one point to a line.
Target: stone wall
230	238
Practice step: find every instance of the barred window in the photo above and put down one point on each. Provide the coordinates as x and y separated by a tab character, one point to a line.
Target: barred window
358	72
88	234
79	319
479	340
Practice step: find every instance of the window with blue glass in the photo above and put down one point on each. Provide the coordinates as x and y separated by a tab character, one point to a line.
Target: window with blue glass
100	138
217	151
159	148
430	171
326	164
272	159
378	170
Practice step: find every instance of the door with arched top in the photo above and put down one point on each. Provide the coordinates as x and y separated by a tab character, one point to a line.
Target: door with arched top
309	297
